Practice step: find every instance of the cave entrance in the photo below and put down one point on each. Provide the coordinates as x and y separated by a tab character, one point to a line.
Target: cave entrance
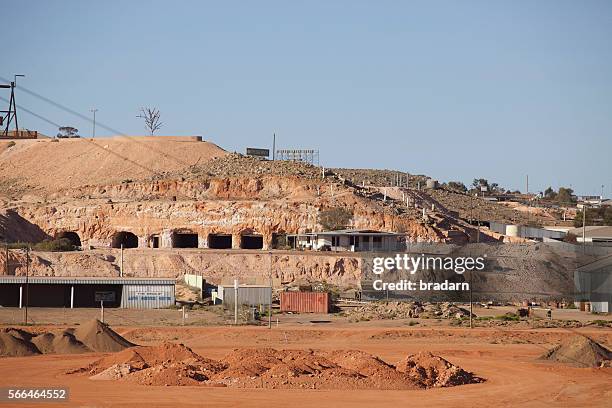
220	241
251	241
71	236
185	240
280	241
125	238
155	241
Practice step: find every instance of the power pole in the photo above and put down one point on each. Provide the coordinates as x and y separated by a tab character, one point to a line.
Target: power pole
11	113
236	287
27	296
583	227
94	110
274	146
270	303
471	301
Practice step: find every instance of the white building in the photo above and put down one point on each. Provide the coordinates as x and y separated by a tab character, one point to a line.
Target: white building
349	240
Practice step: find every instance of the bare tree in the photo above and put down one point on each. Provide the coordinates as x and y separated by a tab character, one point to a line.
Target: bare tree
151	117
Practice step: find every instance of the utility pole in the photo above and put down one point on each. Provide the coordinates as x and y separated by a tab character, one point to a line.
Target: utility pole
94	110
583	227
27	296
14	102
270	303
236	301
274	146
471	301
11	113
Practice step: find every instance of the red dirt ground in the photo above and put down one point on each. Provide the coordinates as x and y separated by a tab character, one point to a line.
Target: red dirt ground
506	357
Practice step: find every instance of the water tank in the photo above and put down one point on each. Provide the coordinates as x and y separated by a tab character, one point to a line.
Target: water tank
431	184
513	230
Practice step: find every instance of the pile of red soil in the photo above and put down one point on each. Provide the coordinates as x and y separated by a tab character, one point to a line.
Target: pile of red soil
92	336
172	364
166	364
434	371
580	351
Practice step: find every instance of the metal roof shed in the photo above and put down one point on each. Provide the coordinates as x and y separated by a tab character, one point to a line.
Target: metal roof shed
53	291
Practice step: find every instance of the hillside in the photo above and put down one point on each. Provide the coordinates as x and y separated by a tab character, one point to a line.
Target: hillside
46	166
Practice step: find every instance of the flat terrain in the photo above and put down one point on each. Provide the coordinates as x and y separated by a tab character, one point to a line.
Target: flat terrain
506	357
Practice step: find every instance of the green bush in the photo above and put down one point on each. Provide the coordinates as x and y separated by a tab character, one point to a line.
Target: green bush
508	317
51	245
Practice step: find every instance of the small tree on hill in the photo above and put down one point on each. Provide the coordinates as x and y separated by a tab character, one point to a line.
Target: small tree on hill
565	196
152	120
457	185
335	218
68	131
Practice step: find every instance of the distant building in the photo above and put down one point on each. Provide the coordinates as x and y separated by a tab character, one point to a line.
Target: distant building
594	284
601	235
353	240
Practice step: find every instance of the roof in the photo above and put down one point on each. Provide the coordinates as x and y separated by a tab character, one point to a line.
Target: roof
593	231
61	280
597	265
351	232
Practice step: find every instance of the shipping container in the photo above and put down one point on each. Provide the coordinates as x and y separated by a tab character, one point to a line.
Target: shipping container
305	302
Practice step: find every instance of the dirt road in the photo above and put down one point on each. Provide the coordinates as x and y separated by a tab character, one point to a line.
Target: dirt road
506	358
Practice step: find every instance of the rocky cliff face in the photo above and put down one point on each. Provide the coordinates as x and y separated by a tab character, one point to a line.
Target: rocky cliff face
235	206
222	201
217	267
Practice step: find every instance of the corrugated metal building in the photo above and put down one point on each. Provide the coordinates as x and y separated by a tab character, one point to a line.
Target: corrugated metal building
52	291
594	284
248	295
305	302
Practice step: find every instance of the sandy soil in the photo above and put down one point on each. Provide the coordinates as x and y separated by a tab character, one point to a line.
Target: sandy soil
77	162
514	375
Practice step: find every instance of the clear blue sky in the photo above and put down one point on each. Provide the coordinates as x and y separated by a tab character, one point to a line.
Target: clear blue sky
451	89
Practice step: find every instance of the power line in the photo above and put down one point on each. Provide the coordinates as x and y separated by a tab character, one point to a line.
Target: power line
87	140
98	123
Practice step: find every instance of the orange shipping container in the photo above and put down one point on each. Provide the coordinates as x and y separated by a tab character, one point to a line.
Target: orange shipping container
305	302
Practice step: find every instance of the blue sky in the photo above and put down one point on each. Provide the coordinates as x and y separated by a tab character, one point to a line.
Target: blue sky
451	89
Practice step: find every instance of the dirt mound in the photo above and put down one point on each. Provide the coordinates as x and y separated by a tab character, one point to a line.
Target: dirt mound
579	351
60	342
13	346
98	162
175	364
92	336
434	371
100	337
166	364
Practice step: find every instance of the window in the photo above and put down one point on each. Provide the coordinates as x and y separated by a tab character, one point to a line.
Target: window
335	240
